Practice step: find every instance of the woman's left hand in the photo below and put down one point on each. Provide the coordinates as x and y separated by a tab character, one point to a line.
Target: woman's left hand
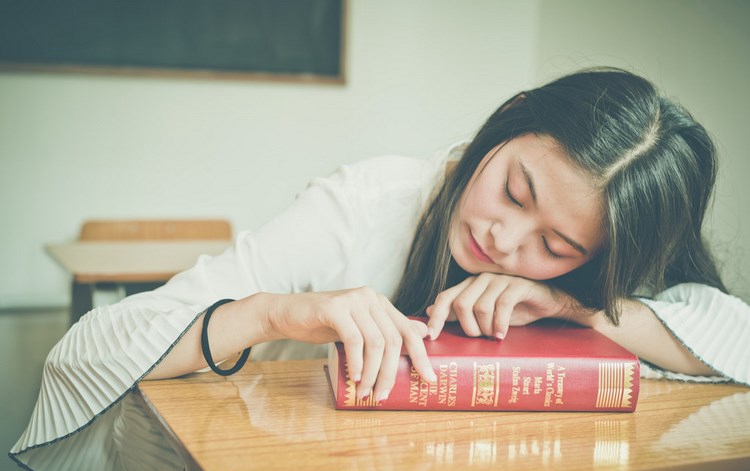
488	303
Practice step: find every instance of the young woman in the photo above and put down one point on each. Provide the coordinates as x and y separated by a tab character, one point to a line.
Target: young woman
582	199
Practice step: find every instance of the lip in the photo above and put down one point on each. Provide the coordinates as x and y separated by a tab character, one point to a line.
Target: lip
477	250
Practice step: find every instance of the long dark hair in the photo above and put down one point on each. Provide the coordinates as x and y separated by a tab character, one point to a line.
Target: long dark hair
655	165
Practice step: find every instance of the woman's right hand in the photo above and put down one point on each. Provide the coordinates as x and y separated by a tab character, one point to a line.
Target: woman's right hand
370	327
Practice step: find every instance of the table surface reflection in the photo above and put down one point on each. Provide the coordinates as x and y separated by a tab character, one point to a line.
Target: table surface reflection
279	415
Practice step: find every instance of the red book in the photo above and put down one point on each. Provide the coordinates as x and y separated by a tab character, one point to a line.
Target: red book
545	366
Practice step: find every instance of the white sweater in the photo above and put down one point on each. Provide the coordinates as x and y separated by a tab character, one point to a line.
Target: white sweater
353	228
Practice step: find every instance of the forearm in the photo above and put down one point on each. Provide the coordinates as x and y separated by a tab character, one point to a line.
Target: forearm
641	332
234	327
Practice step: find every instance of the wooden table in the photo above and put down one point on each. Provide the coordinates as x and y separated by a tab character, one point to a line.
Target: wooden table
151	262
279	415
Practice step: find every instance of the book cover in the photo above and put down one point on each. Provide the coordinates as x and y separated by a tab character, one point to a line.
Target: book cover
544	366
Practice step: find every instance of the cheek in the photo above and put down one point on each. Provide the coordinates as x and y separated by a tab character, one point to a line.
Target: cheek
545	270
480	200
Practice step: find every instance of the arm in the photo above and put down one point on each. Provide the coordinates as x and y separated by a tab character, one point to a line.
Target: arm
314	246
232	329
713	325
371	329
641	332
689	329
308	247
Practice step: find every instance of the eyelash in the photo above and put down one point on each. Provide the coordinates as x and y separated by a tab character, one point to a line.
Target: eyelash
518	203
510	197
548	250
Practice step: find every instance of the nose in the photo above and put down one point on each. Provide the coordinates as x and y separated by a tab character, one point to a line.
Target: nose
508	236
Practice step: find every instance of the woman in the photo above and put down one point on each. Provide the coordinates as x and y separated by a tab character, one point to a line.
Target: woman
570	200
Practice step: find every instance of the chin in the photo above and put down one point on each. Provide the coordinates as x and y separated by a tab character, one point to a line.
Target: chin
469	268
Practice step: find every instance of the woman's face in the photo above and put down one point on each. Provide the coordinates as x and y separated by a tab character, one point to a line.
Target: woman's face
527	212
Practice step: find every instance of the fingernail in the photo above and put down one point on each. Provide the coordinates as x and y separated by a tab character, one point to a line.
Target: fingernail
432	377
430	333
499	335
383	395
364	394
356	378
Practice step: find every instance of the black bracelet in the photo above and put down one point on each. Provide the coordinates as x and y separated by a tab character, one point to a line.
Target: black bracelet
207	349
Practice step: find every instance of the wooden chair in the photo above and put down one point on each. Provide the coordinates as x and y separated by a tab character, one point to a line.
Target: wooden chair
177	229
83	297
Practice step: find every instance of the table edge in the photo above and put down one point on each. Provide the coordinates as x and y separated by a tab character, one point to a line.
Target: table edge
190	462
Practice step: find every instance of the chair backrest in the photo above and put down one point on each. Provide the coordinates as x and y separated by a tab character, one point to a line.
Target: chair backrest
169	229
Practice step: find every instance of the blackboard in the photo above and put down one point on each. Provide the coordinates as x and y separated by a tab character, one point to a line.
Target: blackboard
277	39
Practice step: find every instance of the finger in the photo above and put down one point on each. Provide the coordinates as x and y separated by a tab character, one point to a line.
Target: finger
485	307
391	355
415	348
504	306
465	306
349	334
373	347
441	309
418	325
413	333
429	309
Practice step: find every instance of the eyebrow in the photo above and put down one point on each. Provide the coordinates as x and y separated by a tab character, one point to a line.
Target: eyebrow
532	189
529	181
580	248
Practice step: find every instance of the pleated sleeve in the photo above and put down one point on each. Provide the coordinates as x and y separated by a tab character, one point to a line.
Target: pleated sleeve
713	325
349	229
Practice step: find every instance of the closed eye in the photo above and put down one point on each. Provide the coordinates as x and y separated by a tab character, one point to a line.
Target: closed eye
548	250
510	196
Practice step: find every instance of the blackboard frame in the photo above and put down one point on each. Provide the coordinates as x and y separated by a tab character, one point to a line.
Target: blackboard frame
329	12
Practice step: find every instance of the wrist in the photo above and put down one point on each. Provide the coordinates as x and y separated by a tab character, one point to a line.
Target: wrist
570	308
256	310
591	318
574	311
267	309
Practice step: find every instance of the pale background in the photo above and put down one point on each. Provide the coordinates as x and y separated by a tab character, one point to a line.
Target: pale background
421	74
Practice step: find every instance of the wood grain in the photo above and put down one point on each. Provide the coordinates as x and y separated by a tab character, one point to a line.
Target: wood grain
155	229
279	415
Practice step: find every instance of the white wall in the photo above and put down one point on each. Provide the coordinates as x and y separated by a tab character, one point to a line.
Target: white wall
697	51
421	75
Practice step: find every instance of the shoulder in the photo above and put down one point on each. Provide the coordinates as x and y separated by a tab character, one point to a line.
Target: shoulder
388	176
390	171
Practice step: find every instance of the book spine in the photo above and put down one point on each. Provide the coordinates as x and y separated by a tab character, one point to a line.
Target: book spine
503	384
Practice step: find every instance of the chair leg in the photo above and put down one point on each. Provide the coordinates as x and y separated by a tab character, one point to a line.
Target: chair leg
81	301
133	288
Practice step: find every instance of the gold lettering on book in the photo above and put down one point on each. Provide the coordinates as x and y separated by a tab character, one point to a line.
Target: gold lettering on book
555	384
537	384
419	389
514	386
486	390
452	384
615	385
414	381
447	386
550	380
424	391
560	385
